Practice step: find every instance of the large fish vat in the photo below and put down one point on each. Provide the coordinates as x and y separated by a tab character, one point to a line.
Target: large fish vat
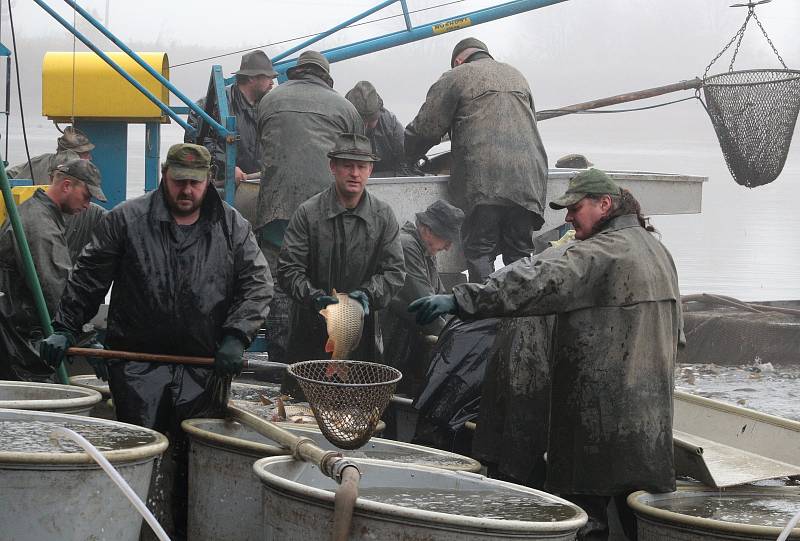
63	494
225	497
298	505
51	397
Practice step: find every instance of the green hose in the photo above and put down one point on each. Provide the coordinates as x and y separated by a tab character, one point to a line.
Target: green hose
27	262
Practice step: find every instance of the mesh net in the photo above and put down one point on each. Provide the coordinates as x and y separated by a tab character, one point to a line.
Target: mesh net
754	114
347	397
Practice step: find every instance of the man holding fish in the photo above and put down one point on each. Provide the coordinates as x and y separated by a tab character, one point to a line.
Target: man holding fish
345	239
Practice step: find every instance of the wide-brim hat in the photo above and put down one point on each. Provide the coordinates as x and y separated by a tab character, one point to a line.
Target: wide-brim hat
256	63
75	140
86	172
311	58
590	182
443	219
352	146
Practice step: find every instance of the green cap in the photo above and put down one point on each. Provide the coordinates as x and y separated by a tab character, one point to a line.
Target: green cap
352	146
188	161
365	99
592	181
74	140
85	171
464	44
311	58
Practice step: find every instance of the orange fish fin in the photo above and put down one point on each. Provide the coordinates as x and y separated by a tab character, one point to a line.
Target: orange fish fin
329	346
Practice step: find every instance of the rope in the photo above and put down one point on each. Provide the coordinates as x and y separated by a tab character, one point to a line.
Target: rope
595	112
19	87
371	21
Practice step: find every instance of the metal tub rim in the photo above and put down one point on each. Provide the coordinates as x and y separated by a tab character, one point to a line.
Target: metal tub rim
369	507
80	381
679	520
192	428
122	456
90	397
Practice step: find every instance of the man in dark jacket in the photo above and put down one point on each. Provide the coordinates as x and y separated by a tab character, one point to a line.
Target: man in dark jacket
253	81
434	231
615	294
42	216
345	239
499	169
297	125
72	140
385	132
189	279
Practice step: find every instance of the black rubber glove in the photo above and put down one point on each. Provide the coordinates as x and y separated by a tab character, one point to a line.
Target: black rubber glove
98	364
324	300
228	360
361	297
429	308
54	348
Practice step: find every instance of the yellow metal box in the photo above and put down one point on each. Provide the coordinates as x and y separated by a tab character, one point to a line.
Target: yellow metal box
97	92
20	194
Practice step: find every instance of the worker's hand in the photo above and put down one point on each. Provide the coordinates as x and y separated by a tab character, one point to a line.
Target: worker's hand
54	348
239	176
98	364
429	308
324	300
361	297
228	360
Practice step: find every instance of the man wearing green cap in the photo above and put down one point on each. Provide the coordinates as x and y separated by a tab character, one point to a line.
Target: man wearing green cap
42	215
254	80
499	166
434	230
71	140
385	132
346	239
616	298
189	280
297	124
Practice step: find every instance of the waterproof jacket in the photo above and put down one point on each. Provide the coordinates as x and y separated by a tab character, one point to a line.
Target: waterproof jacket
79	228
297	126
498	156
326	247
39	171
175	291
387	144
20	325
617	332
246	127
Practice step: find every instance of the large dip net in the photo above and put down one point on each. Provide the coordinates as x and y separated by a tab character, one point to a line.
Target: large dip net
347	397
754	113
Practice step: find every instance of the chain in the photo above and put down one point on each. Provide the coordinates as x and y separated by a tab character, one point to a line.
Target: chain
738	35
770	42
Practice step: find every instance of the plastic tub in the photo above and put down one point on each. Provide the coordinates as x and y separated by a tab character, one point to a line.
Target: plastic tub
52	397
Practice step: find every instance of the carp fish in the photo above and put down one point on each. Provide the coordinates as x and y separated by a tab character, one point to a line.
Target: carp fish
345	323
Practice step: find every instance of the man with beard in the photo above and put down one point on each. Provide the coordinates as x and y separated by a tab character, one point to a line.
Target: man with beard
189	280
253	81
618	326
42	215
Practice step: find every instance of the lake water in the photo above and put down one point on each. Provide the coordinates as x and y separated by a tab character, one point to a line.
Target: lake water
745	243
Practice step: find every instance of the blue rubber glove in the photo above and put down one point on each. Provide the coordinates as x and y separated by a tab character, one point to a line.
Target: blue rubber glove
99	365
54	348
228	360
429	308
324	300
361	297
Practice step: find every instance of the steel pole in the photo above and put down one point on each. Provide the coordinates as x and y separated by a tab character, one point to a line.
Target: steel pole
29	270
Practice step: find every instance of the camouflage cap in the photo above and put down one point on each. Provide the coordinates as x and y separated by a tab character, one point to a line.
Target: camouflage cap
365	99
463	45
352	146
592	181
573	161
75	140
311	58
61	157
188	161
443	219
85	171
256	63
